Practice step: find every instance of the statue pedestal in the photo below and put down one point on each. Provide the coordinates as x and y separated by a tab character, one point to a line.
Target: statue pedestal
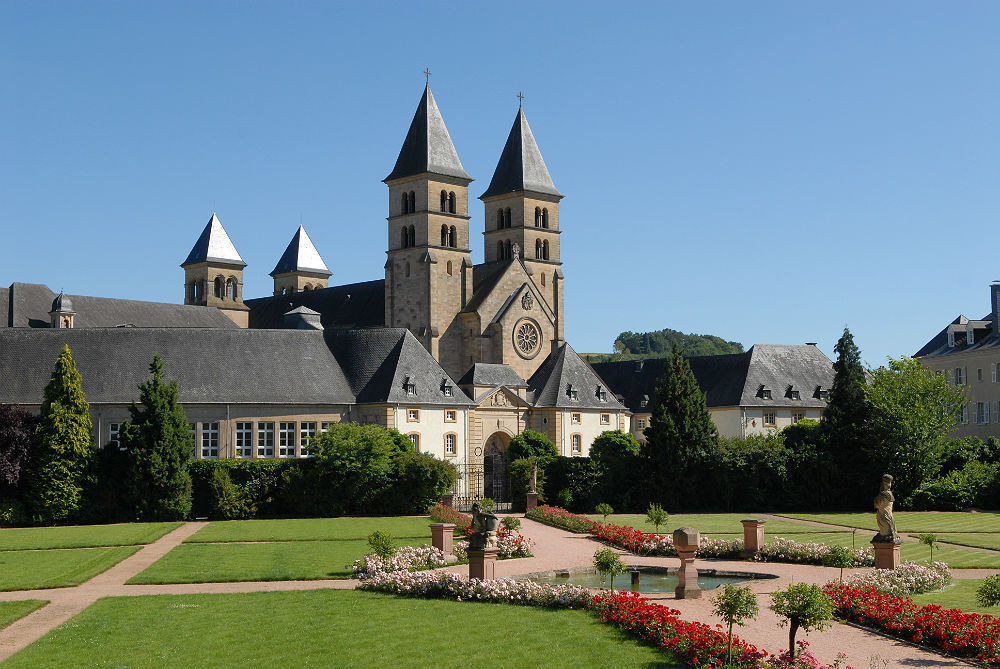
482	563
532	501
442	535
753	536
886	554
686	541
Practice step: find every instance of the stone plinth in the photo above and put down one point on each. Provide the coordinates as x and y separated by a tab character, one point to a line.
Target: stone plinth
442	535
686	541
532	501
482	563
448	500
886	554
753	536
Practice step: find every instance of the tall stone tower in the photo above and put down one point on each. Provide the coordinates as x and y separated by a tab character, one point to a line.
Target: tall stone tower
428	274
522	208
213	273
300	267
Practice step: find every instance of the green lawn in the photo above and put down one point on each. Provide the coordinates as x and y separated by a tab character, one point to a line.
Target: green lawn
979	539
961	594
330	628
28	570
913	521
312	529
83	536
706	523
278	561
11	611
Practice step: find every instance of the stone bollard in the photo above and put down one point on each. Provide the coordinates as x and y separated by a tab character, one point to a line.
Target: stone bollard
886	554
442	535
482	563
532	501
753	536
635	580
686	542
449	499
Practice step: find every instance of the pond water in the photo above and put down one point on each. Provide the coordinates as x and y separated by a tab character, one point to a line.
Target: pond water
649	581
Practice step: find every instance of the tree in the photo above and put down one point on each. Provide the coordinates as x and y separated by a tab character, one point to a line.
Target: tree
609	563
158	444
912	412
530	443
354	468
64	445
803	605
656	516
615	455
734	604
928	539
845	420
604	509
17	430
680	433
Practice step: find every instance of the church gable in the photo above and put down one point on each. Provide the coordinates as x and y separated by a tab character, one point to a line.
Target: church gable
501	398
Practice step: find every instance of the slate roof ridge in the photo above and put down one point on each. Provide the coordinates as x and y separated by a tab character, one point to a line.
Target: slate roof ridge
565	367
428	146
492	374
301	256
214	245
521	166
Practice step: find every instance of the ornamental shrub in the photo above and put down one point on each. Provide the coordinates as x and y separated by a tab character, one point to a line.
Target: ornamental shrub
734	604
382	544
511	523
988	592
609	563
581	476
656	516
259	482
803	605
908	578
530	443
604	509
354	468
419	479
228	500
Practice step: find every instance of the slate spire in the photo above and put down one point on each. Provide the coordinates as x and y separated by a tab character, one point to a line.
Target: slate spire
521	167
214	245
301	256
428	146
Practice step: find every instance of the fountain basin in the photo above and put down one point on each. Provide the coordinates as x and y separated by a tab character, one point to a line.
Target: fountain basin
651	578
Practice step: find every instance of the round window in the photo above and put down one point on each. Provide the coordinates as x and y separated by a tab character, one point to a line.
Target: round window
527	338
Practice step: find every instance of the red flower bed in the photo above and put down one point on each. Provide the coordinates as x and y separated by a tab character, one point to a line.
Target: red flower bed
441	513
696	643
561	518
963	634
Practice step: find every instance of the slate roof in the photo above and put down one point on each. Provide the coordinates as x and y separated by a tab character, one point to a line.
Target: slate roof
353	305
214	245
731	380
521	166
27	305
428	146
493	375
378	363
485	277
983	336
547	387
301	256
285	367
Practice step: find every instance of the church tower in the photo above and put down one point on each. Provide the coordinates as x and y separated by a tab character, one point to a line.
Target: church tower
428	274
213	274
300	267
522	209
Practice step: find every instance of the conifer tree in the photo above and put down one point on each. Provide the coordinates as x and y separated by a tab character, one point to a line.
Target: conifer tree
157	441
680	433
845	424
64	445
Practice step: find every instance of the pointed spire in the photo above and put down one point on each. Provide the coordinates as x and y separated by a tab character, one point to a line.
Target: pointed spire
521	167
214	245
428	146
301	256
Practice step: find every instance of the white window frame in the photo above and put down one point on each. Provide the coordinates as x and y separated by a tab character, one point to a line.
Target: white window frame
326	425
415	440
307	430
413	415
209	440
114	435
265	439
797	416
774	419
576	444
451	444
575	418
286	439
244	440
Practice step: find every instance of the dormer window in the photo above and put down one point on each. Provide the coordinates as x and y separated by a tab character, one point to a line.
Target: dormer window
601	394
409	387
571	392
644	401
970	336
792	394
764	393
821	393
951	339
446	388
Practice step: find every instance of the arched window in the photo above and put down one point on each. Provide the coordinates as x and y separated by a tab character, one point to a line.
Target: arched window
500	250
405	205
545	218
404	238
306	287
413	201
508	251
506	217
232	288
444	235
444	201
451	202
538	249
543	279
545	250
449	268
538	217
499	218
219	287
452	237
413	236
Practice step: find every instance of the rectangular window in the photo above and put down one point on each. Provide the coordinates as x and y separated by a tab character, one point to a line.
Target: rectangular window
575	418
244	440
286	440
797	416
326	425
450	447
265	440
981	413
113	431
209	440
959	376
415	440
577	444
450	416
996	371
306	432
979	374
765	394
413	415
965	414
794	394
605	419
640	423
769	420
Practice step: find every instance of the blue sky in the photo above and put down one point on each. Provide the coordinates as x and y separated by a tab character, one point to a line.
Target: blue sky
768	172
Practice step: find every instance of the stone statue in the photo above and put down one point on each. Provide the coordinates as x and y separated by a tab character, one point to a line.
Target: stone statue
883	514
484	529
534	477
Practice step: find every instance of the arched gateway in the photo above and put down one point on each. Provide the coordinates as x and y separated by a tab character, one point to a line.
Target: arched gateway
496	470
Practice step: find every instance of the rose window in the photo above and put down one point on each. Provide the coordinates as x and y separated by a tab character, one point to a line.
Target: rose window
527	338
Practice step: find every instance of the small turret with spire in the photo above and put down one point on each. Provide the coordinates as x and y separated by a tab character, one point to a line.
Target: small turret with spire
300	267
213	273
62	314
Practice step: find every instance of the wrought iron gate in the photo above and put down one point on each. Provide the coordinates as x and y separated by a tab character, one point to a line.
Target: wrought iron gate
490	479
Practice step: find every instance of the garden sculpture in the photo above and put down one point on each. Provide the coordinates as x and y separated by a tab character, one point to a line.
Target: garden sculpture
883	514
484	529
534	477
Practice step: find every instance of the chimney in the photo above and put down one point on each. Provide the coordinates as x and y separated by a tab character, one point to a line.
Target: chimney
995	305
303	318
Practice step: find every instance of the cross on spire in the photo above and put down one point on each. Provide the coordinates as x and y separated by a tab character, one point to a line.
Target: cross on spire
520	99
427	74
